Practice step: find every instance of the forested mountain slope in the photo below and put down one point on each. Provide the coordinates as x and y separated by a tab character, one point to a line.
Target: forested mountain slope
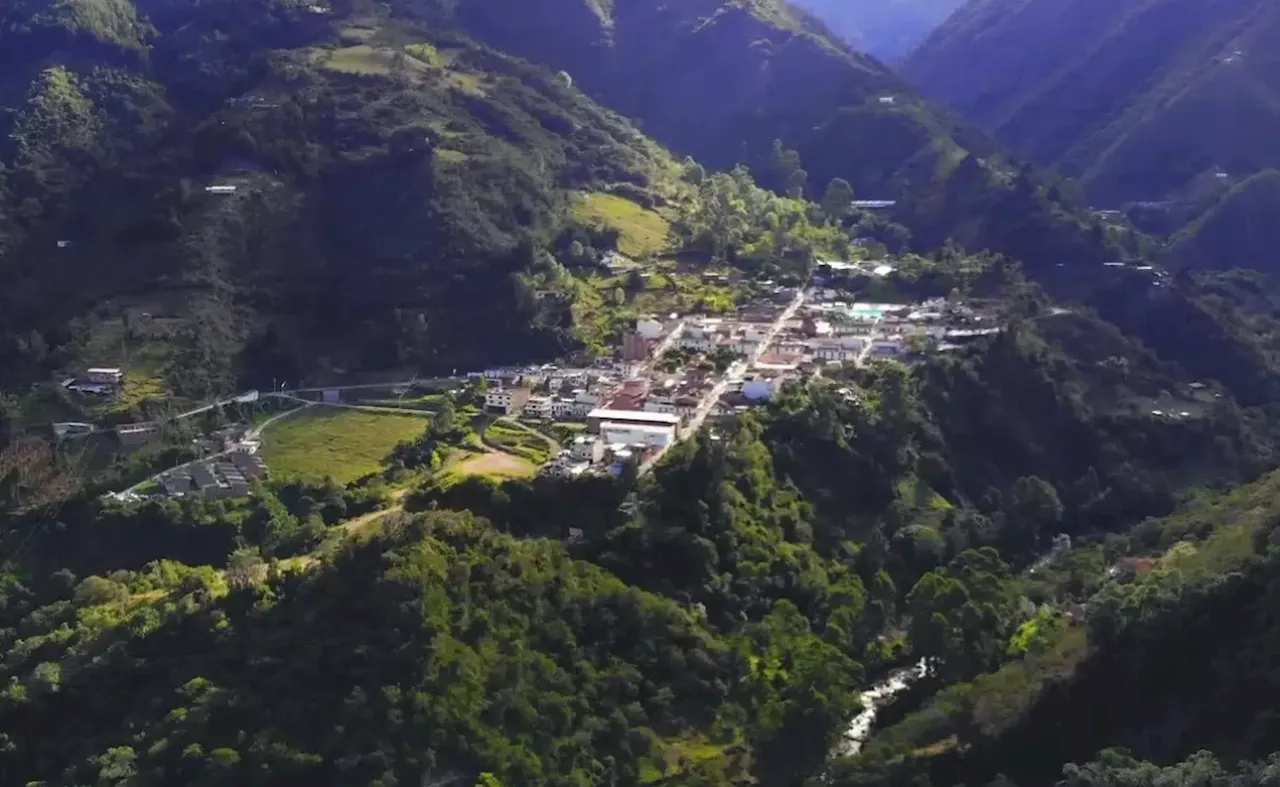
885	29
1239	230
723	81
1168	662
388	186
1136	97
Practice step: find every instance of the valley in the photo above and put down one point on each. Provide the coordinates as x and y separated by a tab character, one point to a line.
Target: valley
580	392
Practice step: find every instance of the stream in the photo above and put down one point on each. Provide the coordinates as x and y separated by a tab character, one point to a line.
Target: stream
873	699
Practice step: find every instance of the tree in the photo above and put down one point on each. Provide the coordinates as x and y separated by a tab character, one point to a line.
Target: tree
783	162
838	199
245	568
693	171
962	614
99	590
1032	510
796	184
636	281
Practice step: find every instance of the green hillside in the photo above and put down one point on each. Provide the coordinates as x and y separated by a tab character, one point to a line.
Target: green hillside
723	81
1239	231
1135	98
391	185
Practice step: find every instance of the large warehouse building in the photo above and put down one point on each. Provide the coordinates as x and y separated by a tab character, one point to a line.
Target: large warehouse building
648	435
631	417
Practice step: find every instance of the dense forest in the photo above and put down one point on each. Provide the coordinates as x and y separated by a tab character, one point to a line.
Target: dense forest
1064	531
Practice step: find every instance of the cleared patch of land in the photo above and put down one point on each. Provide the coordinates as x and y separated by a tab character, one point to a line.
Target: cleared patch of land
495	464
328	441
642	231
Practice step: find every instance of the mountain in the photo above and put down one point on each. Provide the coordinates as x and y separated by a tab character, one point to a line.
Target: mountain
383	183
1237	231
399	177
723	81
886	30
1135	98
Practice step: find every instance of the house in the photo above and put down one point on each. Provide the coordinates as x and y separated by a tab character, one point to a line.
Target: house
649	328
647	435
627	400
538	407
584	401
587	448
72	428
508	401
137	434
220	189
563	409
202	477
833	351
565	466
888	349
250	465
887	100
105	376
176	483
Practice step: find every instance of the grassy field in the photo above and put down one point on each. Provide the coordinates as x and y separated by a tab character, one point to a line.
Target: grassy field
328	441
493	465
642	232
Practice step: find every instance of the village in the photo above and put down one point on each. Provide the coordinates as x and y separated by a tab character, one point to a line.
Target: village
673	373
667	376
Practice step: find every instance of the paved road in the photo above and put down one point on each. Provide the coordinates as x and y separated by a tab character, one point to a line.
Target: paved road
663	346
734	374
366	408
866	348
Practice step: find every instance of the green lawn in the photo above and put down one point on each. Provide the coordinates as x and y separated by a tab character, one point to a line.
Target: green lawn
328	441
642	231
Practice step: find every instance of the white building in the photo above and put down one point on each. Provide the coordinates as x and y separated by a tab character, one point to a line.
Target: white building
584	401
104	376
597	418
563	409
587	448
538	407
510	401
682	405
649	328
651	436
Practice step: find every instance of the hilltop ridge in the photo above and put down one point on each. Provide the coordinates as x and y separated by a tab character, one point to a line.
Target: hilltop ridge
1135	98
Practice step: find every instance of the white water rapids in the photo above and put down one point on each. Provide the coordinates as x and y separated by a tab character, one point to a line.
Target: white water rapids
873	699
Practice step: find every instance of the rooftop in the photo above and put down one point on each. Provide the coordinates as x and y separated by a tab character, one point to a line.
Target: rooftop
634	415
